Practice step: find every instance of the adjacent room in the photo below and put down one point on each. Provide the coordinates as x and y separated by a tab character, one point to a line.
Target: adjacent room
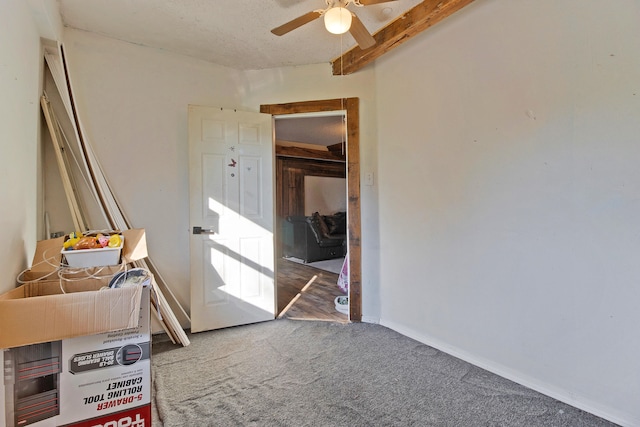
476	180
311	212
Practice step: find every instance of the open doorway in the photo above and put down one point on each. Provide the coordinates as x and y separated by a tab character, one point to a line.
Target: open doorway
348	108
311	212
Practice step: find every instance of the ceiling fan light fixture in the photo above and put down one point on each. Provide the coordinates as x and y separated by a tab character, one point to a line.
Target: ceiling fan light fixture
337	20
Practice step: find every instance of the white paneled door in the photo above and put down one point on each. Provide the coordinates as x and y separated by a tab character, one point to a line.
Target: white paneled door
231	218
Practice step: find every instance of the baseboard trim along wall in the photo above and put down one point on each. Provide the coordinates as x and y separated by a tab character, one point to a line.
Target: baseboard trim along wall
562	395
370	319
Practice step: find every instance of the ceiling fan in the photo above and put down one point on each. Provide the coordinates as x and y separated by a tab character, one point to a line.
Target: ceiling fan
337	20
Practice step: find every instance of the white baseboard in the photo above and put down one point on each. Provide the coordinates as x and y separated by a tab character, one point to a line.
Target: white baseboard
570	398
370	319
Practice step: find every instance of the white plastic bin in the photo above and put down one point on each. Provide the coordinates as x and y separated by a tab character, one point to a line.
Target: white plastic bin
93	257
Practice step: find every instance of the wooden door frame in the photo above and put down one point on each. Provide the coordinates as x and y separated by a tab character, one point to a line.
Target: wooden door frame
351	106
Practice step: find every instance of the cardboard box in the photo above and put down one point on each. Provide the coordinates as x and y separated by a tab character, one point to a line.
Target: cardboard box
86	381
73	353
39	312
64	303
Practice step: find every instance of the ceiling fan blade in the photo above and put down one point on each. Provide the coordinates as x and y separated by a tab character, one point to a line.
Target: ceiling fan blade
359	32
298	22
370	2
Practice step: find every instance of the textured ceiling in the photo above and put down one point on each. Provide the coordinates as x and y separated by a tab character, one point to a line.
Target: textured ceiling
233	33
236	34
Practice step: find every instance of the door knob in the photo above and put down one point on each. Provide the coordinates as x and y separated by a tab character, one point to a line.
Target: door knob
200	230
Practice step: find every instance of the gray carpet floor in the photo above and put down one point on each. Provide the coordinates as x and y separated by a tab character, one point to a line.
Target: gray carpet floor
298	373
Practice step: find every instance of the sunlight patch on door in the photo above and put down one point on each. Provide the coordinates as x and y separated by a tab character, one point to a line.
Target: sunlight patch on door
251	276
214	272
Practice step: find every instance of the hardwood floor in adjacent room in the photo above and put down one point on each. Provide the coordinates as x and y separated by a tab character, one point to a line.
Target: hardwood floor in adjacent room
307	293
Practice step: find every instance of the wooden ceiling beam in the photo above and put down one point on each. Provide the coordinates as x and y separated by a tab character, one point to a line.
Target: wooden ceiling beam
307	153
421	17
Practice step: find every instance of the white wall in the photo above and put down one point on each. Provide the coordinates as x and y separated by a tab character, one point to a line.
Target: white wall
133	101
509	177
325	195
20	111
46	15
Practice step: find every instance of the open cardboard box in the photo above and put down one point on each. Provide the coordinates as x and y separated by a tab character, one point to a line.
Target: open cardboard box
96	380
48	309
